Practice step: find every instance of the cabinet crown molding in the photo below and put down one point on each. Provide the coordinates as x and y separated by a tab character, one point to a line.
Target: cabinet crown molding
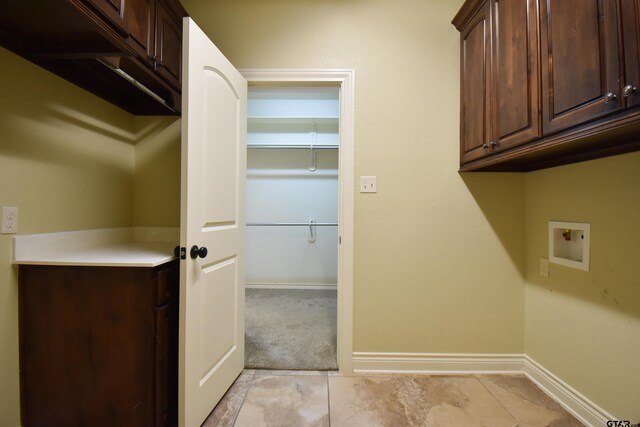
466	12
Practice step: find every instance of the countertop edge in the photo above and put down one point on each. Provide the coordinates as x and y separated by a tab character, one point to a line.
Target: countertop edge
117	247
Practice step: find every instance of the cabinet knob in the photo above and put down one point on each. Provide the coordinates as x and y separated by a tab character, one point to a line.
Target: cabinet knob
485	146
609	97
493	144
628	90
198	252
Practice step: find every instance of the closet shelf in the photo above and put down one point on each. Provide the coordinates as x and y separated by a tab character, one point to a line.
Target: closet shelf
293	173
279	120
294	146
292	224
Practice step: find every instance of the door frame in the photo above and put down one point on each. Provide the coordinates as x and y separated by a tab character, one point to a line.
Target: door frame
345	80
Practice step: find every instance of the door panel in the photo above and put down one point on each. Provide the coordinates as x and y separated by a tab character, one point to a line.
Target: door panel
221	125
580	60
516	77
212	215
219	290
474	84
631	37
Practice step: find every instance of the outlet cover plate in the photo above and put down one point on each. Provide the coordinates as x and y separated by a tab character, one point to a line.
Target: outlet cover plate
368	184
9	220
544	267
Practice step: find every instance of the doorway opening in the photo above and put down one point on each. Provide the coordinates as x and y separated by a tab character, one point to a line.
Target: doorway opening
292	227
299	214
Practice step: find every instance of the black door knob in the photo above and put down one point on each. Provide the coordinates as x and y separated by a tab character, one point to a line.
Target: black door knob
198	252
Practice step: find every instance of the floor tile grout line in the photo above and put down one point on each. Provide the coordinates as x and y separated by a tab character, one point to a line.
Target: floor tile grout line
497	400
243	398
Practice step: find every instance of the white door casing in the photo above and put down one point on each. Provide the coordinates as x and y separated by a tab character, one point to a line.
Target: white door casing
214	103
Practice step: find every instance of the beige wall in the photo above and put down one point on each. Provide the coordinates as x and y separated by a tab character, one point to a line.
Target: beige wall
439	260
156	186
66	162
585	326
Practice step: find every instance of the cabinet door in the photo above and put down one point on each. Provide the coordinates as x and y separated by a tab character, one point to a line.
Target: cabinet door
475	59
516	77
138	17
631	37
580	60
87	344
168	45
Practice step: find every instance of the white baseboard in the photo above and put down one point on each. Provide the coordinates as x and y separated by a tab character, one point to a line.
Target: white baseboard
575	403
430	363
313	286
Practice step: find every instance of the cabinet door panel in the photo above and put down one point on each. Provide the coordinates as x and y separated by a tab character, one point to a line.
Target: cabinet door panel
631	37
86	341
139	19
580	60
474	86
168	46
516	75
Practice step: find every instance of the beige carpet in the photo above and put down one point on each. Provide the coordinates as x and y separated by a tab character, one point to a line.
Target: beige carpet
290	329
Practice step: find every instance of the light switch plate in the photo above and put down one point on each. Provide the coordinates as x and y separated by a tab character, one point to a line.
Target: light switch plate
368	184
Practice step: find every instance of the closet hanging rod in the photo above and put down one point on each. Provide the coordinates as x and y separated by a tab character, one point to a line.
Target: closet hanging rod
291	224
299	146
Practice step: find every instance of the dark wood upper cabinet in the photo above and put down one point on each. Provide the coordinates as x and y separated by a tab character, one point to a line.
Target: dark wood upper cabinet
139	15
113	10
580	57
547	82
107	47
516	77
475	84
135	19
500	78
47	29
630	12
168	45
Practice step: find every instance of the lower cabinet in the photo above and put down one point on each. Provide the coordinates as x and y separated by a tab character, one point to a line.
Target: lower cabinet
99	345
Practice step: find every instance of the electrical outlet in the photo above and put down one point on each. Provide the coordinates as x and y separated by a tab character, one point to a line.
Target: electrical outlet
368	184
544	267
9	220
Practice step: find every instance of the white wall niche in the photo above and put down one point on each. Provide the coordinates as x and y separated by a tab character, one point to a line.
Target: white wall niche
569	244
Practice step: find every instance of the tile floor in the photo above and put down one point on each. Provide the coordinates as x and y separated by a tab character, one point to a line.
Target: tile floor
311	398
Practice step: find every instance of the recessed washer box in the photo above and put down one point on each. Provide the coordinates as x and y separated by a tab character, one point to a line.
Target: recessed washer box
569	244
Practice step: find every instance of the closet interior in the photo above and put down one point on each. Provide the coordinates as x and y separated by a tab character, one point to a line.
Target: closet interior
292	227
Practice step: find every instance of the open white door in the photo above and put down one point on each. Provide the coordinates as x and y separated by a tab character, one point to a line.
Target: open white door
214	101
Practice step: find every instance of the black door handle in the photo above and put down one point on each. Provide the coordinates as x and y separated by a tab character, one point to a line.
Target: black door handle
198	252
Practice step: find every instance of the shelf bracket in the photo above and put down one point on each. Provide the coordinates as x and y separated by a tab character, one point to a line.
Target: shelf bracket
314	141
312	236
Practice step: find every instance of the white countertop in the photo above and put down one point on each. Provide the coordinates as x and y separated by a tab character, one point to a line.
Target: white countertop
116	247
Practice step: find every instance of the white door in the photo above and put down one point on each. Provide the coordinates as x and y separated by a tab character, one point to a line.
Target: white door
214	103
